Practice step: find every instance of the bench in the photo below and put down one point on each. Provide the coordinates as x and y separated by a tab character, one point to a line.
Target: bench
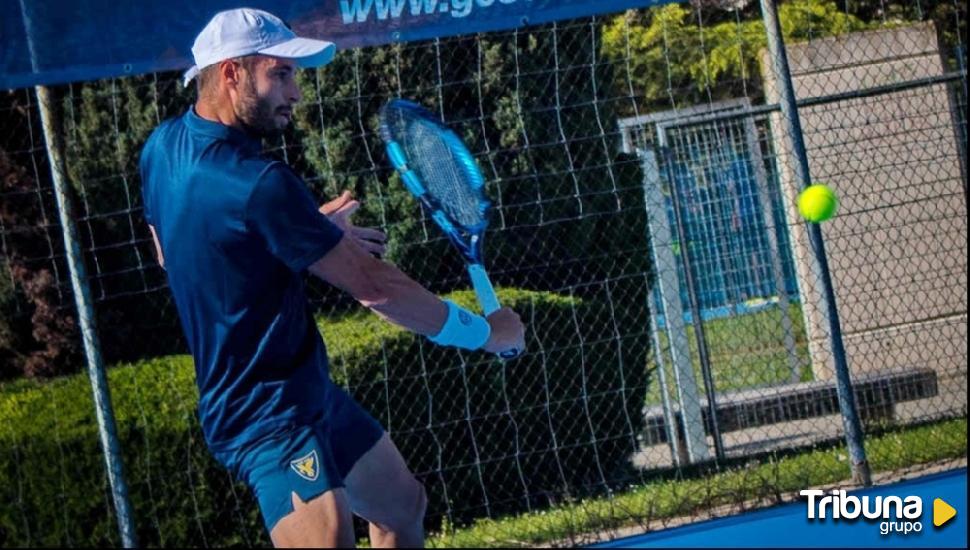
876	394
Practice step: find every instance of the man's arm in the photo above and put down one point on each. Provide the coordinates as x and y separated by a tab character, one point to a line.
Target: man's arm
158	247
381	287
281	209
393	295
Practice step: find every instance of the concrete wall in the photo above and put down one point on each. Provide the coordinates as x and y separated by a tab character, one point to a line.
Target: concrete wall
898	246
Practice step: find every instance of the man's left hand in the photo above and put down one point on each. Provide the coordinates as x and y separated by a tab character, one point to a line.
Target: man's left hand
339	211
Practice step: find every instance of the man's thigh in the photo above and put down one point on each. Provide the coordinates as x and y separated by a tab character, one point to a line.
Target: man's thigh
382	490
299	486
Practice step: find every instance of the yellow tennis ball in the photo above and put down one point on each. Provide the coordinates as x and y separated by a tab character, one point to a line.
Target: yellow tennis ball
817	203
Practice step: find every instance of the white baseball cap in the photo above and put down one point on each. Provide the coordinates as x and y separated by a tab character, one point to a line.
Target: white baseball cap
246	31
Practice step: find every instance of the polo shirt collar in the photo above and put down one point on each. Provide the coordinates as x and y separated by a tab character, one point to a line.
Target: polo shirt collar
218	130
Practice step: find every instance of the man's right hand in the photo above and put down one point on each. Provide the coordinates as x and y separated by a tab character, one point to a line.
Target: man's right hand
508	332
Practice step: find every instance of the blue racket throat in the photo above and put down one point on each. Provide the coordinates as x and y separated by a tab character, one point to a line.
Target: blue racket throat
439	170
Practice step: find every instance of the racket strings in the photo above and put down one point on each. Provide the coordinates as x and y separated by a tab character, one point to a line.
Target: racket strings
439	170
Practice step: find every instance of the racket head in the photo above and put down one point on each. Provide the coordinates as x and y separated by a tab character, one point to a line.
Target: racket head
436	167
439	170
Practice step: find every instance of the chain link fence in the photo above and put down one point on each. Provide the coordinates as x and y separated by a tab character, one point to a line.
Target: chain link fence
680	361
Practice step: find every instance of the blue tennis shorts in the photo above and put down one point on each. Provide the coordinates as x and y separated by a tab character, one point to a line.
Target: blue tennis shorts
309	459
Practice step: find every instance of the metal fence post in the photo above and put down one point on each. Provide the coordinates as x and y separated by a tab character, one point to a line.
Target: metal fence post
107	430
85	309
697	318
793	136
692	425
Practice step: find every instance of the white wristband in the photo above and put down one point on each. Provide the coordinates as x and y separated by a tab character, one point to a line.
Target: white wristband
462	329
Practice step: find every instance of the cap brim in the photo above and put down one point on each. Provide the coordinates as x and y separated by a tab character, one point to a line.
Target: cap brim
189	75
307	52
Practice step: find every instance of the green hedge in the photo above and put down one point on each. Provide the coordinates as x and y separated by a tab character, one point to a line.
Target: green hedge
53	489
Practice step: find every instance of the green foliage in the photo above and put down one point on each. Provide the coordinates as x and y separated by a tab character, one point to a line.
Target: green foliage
337	155
451	409
674	58
54	487
106	123
53	490
569	213
36	338
14	323
537	107
949	17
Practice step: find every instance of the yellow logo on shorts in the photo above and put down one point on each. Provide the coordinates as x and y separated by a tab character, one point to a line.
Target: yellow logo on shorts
306	467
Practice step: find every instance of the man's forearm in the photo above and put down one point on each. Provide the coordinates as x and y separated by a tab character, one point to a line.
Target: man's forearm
406	303
393	295
382	287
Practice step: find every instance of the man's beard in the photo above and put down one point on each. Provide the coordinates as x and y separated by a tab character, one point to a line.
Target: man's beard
257	114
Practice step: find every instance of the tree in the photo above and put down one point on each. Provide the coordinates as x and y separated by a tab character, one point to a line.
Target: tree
37	336
681	56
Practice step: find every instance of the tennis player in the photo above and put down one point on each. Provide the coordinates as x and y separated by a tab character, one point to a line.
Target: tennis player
236	231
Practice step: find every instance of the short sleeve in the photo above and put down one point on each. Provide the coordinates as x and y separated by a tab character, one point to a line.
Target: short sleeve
283	212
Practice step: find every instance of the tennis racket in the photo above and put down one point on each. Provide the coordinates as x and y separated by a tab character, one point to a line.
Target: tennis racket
442	174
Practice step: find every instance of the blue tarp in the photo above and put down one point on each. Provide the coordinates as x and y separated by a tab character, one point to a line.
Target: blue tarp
57	41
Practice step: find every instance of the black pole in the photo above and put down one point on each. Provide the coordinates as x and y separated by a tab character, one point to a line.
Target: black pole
793	133
695	311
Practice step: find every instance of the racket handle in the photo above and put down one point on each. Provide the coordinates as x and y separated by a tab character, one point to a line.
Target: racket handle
487	299
483	289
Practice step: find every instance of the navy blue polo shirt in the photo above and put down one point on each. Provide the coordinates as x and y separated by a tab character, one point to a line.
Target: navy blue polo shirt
237	231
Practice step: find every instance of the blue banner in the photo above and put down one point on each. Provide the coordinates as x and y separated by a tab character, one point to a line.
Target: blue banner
57	41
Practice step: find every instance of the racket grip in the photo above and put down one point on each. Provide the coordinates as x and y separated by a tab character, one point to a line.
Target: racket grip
483	289
487	299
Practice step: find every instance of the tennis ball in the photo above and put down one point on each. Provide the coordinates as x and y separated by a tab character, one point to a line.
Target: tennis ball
817	203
